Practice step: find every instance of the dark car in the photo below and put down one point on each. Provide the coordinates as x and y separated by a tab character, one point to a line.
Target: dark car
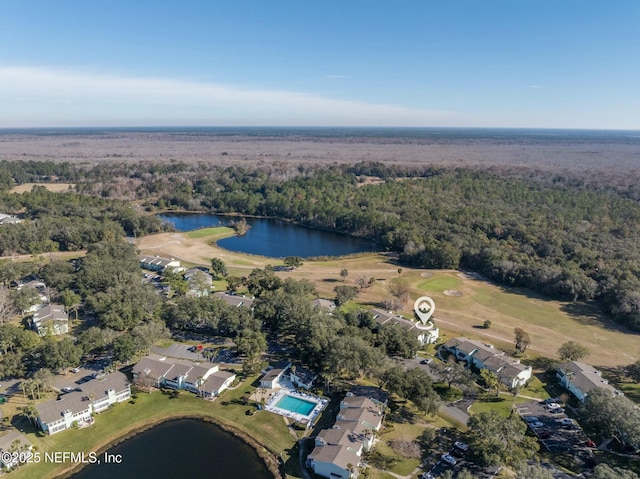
543	434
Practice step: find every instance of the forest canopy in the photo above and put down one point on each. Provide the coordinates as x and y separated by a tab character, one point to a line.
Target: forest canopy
551	234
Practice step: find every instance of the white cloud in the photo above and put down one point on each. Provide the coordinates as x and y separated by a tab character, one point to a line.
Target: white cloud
48	97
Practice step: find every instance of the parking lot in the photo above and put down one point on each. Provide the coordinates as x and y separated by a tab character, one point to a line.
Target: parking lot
550	424
455	460
71	380
179	351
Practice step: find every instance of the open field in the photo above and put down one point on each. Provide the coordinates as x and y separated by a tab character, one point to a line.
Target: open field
549	323
54	187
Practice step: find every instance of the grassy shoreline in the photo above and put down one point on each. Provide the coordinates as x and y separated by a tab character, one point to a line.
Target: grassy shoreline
125	420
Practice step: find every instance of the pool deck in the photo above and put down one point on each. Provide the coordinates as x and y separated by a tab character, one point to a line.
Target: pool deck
320	404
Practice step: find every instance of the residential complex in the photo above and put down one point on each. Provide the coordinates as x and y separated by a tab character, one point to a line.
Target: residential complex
424	333
9	219
580	378
158	264
484	356
235	300
338	450
205	380
76	408
15	442
51	320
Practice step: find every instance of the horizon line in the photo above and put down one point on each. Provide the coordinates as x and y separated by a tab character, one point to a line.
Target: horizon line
363	127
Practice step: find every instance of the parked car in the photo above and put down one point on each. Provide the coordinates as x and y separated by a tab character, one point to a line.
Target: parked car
75	370
449	459
461	446
589	443
565	421
426	361
428	475
552	405
557	410
530	419
550	400
543	434
535	425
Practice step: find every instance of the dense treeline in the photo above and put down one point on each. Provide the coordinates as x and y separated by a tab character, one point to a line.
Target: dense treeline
67	221
19	172
563	241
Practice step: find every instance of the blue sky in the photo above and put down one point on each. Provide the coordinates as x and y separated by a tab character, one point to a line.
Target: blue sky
545	64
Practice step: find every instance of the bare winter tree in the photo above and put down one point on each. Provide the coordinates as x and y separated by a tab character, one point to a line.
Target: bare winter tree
7	308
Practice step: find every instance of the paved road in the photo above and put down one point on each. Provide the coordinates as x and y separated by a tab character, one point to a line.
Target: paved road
454	413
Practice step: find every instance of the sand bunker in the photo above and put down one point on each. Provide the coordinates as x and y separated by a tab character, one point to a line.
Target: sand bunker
426	275
452	292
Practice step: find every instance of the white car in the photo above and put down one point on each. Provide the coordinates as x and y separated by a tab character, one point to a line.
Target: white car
461	446
449	459
75	370
428	475
553	405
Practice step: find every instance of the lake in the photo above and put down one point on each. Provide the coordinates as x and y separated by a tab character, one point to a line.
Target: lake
181	448
274	238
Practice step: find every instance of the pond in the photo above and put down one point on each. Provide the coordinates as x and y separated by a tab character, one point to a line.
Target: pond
274	238
181	448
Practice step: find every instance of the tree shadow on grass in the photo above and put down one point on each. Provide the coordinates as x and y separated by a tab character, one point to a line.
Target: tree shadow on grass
402	415
491	399
585	313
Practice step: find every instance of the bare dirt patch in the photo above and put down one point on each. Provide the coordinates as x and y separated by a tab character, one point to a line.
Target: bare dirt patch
426	275
452	292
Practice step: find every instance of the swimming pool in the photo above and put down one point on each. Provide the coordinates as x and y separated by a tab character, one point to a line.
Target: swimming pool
296	405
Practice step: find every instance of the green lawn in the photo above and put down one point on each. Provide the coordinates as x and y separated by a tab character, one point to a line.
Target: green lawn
501	404
268	429
440	283
217	231
536	388
631	390
241	262
400	431
448	394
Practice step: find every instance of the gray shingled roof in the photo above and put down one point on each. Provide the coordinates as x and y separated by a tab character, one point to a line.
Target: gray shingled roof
51	312
234	300
7	438
152	368
338	455
178	370
215	381
79	400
